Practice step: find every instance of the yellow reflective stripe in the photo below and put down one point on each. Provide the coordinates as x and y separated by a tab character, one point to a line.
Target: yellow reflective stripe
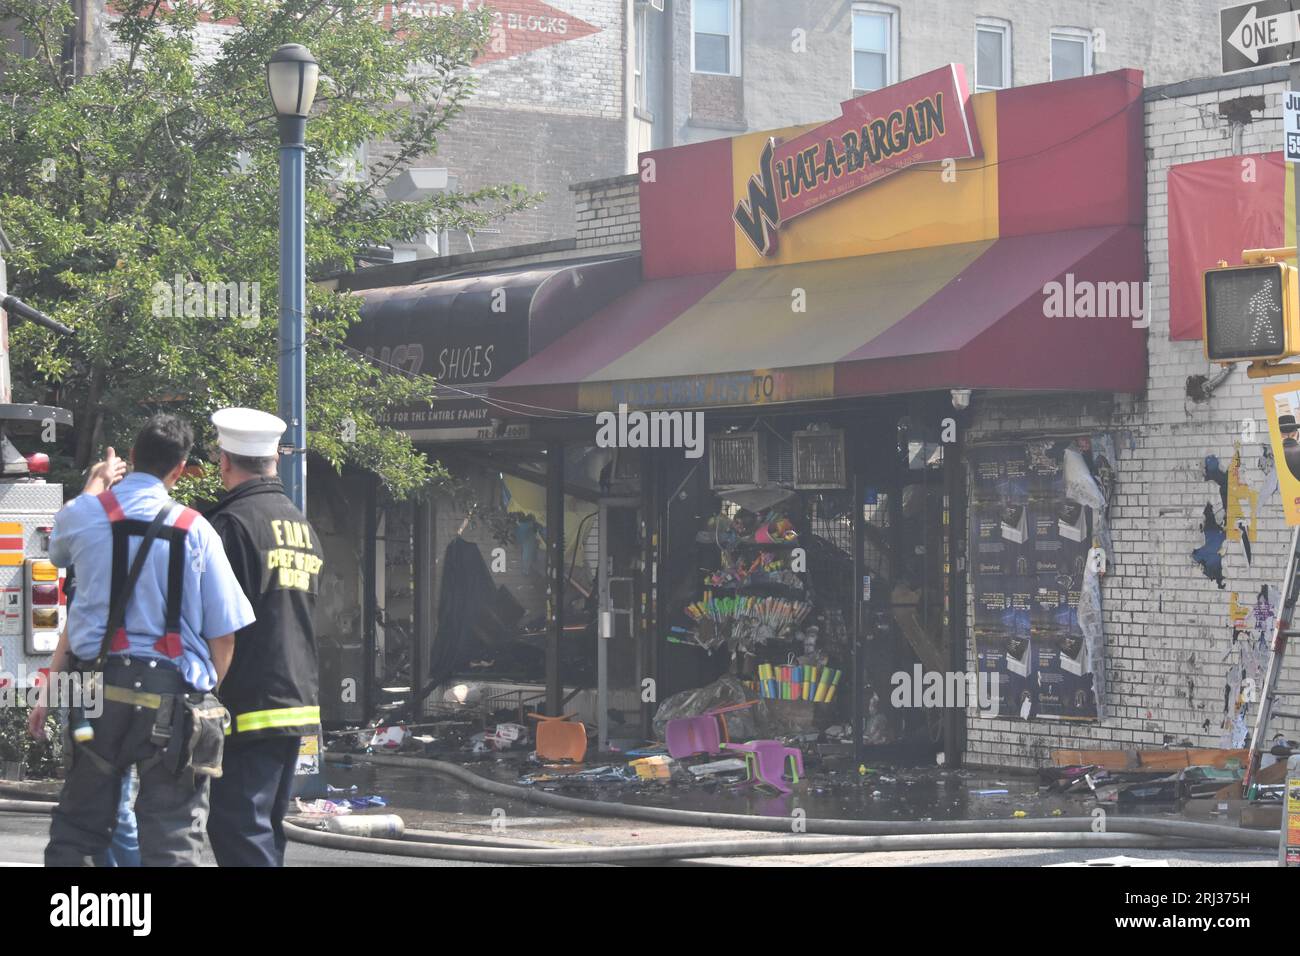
280	717
122	695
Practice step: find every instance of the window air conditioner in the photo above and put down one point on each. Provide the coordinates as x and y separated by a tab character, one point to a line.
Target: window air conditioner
819	459
737	458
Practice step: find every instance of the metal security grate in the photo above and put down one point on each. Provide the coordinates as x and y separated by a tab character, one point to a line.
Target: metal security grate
819	459
736	459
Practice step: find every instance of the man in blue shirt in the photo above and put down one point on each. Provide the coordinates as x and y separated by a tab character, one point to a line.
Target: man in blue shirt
172	649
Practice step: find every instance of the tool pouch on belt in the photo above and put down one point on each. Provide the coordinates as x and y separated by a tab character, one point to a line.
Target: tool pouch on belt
205	724
191	730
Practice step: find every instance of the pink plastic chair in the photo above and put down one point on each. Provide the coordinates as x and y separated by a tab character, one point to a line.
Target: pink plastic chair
767	760
688	736
705	734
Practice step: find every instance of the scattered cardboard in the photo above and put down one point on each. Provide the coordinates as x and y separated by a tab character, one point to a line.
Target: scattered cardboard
1155	760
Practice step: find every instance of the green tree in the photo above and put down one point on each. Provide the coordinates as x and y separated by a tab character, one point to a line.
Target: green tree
163	163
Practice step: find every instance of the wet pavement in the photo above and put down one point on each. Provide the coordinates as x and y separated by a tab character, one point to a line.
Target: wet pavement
832	790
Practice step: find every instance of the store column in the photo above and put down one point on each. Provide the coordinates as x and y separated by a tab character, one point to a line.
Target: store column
555	583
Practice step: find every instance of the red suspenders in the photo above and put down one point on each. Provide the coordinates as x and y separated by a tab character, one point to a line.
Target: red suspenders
123	528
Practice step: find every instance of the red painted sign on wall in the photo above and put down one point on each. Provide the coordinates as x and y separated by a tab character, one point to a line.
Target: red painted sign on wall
921	120
518	26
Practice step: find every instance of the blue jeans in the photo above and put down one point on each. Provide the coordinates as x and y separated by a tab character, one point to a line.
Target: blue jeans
125	848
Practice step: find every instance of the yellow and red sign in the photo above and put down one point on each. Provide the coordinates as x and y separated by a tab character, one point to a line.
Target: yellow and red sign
921	120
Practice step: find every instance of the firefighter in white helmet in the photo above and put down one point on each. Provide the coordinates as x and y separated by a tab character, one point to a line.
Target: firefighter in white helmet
272	690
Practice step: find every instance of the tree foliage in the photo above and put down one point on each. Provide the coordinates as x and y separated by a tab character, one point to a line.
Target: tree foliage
161	166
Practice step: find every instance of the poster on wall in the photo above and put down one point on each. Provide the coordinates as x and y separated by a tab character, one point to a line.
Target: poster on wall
1036	525
1282	410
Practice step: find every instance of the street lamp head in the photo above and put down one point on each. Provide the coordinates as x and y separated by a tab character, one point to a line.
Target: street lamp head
291	76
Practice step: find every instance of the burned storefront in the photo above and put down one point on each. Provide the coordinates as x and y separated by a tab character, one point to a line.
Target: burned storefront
830	550
816	526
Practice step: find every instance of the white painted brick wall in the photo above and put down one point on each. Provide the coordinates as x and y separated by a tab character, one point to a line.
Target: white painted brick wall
1168	635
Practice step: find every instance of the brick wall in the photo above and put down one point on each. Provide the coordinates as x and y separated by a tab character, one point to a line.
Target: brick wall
608	212
1169	642
718	101
544	152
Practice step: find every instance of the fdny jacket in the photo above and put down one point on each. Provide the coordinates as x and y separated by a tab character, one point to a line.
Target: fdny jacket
272	687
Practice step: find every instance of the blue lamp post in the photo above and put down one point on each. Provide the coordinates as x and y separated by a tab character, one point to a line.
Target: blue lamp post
291	76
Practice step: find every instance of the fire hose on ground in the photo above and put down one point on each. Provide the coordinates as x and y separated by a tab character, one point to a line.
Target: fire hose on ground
855	836
817	836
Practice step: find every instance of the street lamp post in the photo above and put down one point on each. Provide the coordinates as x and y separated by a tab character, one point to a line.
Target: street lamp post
291	76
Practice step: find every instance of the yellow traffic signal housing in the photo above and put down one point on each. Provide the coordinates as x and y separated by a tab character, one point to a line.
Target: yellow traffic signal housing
1251	313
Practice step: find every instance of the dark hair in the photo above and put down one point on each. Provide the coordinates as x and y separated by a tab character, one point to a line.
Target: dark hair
163	443
253	465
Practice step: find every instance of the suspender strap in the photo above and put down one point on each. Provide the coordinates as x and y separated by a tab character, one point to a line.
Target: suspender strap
115	632
170	642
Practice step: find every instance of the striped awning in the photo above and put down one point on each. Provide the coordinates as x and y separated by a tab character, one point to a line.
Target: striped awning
967	315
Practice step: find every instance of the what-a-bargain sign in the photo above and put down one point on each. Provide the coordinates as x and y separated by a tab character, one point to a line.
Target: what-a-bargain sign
921	120
1282	409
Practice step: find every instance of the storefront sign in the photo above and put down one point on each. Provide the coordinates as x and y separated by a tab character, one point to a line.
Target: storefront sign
921	120
459	340
760	387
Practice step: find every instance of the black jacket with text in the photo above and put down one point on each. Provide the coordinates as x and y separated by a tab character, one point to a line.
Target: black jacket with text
273	686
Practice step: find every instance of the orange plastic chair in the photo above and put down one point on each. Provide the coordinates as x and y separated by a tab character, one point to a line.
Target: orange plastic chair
560	739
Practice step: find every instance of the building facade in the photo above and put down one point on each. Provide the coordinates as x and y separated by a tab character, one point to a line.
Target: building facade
589	84
1183	645
763	64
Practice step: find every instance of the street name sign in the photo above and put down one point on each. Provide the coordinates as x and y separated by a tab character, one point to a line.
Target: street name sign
1259	34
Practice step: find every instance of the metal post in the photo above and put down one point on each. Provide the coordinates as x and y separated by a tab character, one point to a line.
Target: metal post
425	570
647	646
954	512
555	574
293	306
860	620
369	594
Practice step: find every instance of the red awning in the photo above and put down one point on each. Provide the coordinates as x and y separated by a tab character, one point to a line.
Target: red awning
970	315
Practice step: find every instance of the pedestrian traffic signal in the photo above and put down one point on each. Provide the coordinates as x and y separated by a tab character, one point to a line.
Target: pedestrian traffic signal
1251	312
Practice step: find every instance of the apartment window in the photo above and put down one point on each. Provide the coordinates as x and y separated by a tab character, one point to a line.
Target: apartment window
875	46
992	55
1071	53
640	41
715	26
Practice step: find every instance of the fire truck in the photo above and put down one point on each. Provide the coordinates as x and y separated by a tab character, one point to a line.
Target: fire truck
33	605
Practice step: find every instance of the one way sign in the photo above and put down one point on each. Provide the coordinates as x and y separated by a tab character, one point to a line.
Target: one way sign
1257	34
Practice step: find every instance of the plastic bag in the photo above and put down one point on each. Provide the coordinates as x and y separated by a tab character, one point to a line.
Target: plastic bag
725	691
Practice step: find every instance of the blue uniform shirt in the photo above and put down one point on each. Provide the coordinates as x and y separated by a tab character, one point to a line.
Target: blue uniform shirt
212	605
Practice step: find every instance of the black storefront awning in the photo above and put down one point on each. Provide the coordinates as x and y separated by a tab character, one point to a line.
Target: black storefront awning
469	330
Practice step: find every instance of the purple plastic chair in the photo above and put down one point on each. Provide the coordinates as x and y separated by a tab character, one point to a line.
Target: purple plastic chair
767	760
688	736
